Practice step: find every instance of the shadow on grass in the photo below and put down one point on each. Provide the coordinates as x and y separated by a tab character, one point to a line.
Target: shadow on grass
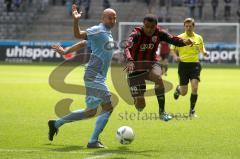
122	150
63	148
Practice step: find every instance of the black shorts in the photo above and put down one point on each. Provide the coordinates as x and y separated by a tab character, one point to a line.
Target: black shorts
188	71
136	80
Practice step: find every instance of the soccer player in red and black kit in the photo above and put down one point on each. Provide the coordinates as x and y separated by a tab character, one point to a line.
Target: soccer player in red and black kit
143	62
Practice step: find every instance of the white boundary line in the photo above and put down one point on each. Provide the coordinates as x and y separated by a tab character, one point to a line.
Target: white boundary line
36	150
99	156
18	150
70	152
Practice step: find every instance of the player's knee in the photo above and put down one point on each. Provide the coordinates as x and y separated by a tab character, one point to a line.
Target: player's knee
194	90
91	112
183	92
156	78
139	103
107	107
194	87
159	83
110	109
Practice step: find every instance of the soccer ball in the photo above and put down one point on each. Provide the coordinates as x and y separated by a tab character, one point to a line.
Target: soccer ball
125	135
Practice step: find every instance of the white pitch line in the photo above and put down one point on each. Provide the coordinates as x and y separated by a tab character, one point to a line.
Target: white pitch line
18	150
29	150
100	156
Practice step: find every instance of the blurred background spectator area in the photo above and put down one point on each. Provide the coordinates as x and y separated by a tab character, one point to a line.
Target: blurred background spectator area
51	19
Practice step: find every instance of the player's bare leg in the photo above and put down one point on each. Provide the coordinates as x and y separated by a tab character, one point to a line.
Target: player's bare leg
180	90
183	90
139	103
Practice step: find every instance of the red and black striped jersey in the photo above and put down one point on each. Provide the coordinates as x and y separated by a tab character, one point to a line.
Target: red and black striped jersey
141	47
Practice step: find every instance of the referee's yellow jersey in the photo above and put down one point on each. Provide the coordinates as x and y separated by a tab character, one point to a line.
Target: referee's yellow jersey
190	53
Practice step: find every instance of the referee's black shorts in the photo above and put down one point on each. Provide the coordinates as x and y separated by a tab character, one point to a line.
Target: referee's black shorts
188	71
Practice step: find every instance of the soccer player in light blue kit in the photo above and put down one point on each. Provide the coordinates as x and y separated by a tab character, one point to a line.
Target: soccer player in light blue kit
97	93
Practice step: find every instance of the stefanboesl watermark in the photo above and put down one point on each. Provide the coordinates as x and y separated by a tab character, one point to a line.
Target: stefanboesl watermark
150	116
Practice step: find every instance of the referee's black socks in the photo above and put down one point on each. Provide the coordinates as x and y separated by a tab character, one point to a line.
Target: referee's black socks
193	100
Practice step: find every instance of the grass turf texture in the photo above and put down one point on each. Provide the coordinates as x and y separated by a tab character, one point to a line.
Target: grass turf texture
27	102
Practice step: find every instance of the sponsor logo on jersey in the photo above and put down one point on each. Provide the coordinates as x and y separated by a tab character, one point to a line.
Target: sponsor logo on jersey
146	46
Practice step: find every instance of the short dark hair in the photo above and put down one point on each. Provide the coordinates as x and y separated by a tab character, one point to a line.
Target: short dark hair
189	20
150	18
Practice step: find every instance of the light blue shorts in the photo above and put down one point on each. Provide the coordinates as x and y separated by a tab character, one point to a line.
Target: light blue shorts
96	94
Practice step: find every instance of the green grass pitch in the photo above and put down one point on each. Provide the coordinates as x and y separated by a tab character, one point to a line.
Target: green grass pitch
27	102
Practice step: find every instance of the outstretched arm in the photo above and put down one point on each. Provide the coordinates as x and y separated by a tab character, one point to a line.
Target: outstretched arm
72	48
76	29
165	36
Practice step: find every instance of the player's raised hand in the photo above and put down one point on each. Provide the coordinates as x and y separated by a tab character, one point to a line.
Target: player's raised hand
129	67
188	42
75	13
58	49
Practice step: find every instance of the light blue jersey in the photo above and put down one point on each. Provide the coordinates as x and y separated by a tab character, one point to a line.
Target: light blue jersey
99	39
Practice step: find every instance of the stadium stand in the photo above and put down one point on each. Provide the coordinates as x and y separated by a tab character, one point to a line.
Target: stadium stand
31	21
15	24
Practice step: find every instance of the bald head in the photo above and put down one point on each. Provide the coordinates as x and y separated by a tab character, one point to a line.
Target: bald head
109	11
109	17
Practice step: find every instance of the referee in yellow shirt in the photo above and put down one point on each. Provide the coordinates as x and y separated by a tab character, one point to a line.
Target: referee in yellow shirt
189	67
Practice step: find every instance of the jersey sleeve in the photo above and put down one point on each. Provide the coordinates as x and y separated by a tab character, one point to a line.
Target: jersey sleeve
167	37
93	33
133	39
